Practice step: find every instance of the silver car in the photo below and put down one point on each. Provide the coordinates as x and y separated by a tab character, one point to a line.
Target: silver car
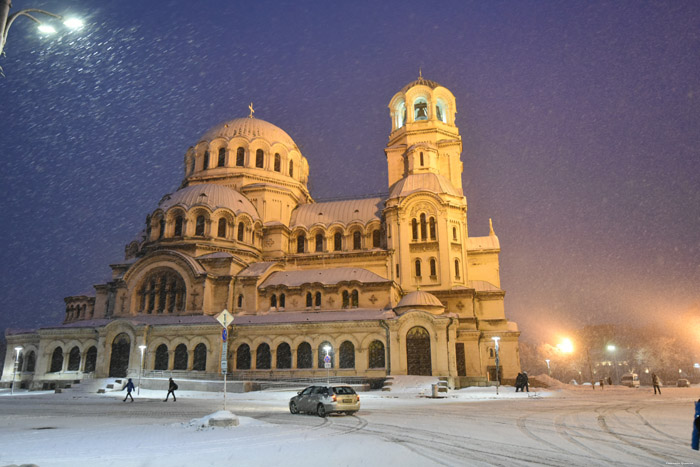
325	399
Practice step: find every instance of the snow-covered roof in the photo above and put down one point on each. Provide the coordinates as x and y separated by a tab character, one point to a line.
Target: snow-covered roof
483	286
419	298
211	195
257	269
322	276
432	182
216	255
249	128
489	242
345	212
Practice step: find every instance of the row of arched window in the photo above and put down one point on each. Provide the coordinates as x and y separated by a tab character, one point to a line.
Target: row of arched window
75	312
319	245
225	228
433	268
180	358
28	364
74	360
163	290
351	299
261	162
421	111
426	228
304	356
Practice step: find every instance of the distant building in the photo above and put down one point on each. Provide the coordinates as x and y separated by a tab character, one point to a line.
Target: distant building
393	284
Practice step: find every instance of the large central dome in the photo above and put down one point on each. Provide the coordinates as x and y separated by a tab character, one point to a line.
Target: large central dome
249	128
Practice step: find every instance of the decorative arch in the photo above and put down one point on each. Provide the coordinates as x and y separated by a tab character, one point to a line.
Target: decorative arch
284	356
119	360
243	357
304	355
199	360
161	359
56	363
180	357
346	357
90	360
418	352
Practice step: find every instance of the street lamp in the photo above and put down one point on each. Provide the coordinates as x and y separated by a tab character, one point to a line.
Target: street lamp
611	349
6	20
141	348
549	371
14	375
498	380
327	361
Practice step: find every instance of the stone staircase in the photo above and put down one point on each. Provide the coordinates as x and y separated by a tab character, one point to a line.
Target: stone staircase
387	383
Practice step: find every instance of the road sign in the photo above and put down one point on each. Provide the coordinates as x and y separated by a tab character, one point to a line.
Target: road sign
224	335
225	318
327	365
327	359
224	366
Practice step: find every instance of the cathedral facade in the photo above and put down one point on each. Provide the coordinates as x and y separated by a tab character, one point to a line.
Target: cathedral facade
390	285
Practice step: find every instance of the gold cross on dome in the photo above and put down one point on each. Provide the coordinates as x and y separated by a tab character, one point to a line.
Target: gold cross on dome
251	110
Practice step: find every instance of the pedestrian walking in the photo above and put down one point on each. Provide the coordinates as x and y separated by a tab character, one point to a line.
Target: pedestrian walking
609	381
525	386
172	387
129	387
518	382
695	440
657	384
602	383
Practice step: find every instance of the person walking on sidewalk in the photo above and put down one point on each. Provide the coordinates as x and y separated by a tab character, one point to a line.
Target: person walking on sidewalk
172	387
129	387
655	381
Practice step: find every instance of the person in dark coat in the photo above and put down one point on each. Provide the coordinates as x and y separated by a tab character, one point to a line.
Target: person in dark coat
129	387
655	381
525	386
609	381
519	382
172	387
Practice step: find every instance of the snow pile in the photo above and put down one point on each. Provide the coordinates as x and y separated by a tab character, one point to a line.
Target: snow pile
221	418
413	385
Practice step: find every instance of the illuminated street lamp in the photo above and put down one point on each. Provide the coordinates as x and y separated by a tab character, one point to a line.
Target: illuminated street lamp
14	375
611	349
327	361
549	370
498	380
141	348
6	20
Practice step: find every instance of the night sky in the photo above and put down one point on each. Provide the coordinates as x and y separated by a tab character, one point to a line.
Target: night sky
580	123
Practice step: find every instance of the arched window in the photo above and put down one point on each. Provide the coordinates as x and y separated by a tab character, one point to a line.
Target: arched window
205	165
163	289
178	227
319	242
347	355
376	355
263	358
31	361
259	159
199	359
222	228
417	268
414	229
278	163
240	157
309	300
74	359
199	226
454	233
420	107
322	354
356	240
376	238
304	357
441	111
346	299
192	160
222	157
161	361
301	239
282	300
56	360
318	299
421	160
273	301
354	299
243	357
400	114
433	267
161	227
90	360
291	168
180	360
240	301
284	356
337	241
431	229
457	268
241	230
423	227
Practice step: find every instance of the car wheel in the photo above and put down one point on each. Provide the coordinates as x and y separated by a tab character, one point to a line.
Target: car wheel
321	410
293	407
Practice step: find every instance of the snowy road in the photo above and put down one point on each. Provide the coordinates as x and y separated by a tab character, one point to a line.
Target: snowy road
470	427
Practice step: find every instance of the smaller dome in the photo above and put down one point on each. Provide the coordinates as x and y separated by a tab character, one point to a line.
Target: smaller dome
434	183
249	128
210	195
420	82
420	300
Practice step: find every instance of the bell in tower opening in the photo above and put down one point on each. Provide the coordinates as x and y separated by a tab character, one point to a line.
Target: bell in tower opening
421	109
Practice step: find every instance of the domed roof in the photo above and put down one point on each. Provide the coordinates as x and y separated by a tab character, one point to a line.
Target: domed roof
429	181
211	195
422	82
419	299
249	128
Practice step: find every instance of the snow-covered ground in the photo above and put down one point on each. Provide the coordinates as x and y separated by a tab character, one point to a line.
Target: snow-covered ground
563	425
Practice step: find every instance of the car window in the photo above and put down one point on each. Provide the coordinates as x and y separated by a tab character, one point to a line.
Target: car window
307	391
342	390
319	390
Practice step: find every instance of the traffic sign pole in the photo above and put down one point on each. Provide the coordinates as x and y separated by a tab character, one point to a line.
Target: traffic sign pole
225	318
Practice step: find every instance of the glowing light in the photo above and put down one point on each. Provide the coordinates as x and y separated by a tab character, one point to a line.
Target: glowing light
47	29
611	348
73	23
566	346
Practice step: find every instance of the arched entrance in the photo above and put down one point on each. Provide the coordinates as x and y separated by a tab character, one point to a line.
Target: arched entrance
119	362
418	352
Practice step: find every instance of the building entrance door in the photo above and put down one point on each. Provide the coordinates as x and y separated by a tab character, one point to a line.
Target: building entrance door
119	362
418	352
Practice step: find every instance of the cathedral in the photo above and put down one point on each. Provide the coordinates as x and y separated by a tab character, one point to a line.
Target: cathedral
360	289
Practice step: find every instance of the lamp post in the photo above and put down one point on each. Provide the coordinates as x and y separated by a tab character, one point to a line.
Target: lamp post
14	375
549	370
327	361
6	20
141	348
612	349
498	380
